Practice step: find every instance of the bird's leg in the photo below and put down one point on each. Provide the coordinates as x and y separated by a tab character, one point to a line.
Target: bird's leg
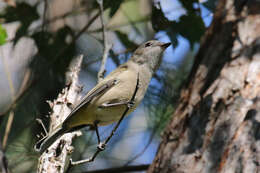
101	146
129	106
96	129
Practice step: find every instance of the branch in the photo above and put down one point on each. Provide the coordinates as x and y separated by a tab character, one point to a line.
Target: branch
107	46
152	135
3	160
123	24
143	150
8	128
121	169
75	38
57	157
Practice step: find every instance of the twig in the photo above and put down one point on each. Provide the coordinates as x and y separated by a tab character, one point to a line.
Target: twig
86	145
85	27
8	128
41	123
102	145
22	91
44	14
75	38
153	133
107	46
121	169
3	160
143	150
63	16
114	27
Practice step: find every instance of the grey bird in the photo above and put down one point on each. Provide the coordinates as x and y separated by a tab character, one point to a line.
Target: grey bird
106	102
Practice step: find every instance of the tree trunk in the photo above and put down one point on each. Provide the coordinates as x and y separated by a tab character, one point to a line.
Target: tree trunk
216	126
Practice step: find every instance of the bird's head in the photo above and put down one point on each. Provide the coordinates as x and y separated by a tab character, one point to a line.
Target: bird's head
150	53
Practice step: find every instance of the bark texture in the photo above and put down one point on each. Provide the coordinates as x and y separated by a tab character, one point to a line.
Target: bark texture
57	157
216	126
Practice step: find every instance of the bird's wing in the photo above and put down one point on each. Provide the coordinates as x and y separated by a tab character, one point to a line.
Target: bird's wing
101	88
87	99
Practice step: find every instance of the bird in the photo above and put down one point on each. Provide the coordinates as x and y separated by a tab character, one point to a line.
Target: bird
107	101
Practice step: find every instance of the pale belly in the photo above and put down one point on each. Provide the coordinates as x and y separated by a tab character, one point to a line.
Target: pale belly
122	93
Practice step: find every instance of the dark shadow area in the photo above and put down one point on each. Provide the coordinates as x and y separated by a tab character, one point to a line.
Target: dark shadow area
197	123
218	143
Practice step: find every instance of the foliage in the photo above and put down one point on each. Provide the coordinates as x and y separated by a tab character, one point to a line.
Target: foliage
23	13
190	25
3	35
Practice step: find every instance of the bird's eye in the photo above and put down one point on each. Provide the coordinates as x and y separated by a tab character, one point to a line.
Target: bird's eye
148	44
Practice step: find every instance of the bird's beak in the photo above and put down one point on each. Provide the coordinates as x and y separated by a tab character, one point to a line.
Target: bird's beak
165	45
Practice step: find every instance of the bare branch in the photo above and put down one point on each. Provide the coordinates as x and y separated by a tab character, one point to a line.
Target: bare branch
123	24
3	160
152	135
44	15
57	157
107	46
75	38
143	150
8	127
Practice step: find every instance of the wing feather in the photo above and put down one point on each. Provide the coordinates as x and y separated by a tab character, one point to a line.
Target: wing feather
88	98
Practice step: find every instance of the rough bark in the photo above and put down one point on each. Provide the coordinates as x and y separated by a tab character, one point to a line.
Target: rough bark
56	158
216	126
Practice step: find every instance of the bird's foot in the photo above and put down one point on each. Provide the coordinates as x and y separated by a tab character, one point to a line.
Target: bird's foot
101	146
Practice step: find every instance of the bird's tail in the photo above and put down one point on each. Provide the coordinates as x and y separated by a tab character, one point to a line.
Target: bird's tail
47	141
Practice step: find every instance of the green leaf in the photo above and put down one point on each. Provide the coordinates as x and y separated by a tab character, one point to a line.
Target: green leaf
173	37
23	13
190	26
3	35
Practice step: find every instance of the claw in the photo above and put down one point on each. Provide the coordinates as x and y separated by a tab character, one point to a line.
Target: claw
101	146
131	104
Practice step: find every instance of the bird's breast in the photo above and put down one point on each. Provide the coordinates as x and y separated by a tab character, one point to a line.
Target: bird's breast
122	92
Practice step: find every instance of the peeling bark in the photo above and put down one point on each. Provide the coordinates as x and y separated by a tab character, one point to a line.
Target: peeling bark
216	126
57	157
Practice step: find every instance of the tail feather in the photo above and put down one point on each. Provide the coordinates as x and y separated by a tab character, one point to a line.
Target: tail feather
47	141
